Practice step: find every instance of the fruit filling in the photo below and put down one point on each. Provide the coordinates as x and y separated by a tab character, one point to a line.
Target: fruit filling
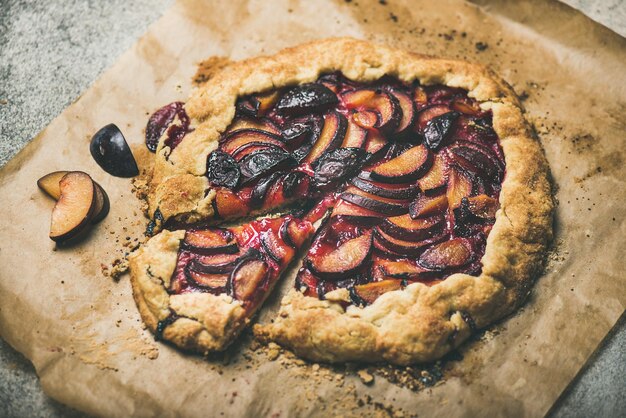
410	175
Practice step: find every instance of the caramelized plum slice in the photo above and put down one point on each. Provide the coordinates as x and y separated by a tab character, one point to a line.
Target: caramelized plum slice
246	278
399	269
50	183
483	206
306	98
295	183
459	186
228	205
110	150
420	98
448	254
343	261
375	142
350	210
75	208
408	111
388	190
478	160
391	245
366	294
337	166
295	232
355	136
406	228
306	129
366	119
408	166
214	282
265	161
465	107
275	247
390	207
159	122
436	177
215	264
438	128
332	135
266	102
384	104
237	139
428	206
222	170
251	148
259	191
263	124
426	115
210	241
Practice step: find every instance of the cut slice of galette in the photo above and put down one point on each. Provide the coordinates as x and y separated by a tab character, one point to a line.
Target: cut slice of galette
431	206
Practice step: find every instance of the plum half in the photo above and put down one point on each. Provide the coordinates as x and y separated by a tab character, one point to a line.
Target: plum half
75	208
111	151
343	261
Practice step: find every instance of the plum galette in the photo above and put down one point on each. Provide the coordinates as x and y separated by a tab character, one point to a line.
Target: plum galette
412	185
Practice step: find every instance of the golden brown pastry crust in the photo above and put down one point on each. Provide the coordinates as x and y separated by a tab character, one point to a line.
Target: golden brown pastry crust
417	324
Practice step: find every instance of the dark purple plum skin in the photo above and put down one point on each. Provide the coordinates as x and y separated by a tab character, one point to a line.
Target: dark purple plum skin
336	166
306	98
222	170
158	123
438	128
110	150
262	162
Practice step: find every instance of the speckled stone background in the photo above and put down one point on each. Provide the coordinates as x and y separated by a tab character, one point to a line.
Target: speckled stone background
52	51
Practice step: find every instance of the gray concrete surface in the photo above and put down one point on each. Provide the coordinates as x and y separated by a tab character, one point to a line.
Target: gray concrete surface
52	51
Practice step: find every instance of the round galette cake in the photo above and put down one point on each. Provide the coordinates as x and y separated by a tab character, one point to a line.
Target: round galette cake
411	186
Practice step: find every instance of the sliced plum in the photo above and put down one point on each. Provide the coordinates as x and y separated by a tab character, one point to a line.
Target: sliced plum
366	294
265	161
388	190
355	136
214	282
448	254
390	207
391	245
428	206
103	204
246	278
366	119
346	259
399	269
50	183
160	121
351	210
216	263
259	124
331	137
222	169
228	205
459	186
406	228
375	142
483	206
383	103
251	148
438	128
304	130
210	241
409	165
295	183
110	150
408	111
275	247
436	176
74	211
306	98
337	166
426	115
259	191
420	98
466	107
295	232
233	141
478	160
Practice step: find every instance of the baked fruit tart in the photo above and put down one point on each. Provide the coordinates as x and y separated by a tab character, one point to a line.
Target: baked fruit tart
412	185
